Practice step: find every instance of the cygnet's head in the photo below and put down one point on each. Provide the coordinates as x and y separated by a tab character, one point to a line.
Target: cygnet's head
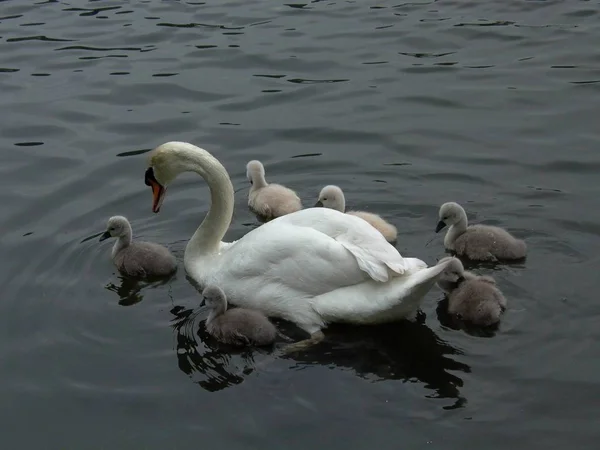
454	271
117	226
214	298
332	197
255	171
450	213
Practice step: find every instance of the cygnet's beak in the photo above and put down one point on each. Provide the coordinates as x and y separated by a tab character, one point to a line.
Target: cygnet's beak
440	226
460	279
319	204
158	190
105	235
203	301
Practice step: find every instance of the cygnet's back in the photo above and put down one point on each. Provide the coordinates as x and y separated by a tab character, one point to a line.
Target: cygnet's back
333	197
238	326
137	259
472	298
269	201
477	242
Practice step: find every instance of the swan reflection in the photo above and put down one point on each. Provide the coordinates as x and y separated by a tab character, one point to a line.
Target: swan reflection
408	351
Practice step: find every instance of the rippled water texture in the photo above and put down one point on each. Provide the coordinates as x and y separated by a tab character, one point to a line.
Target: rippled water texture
405	106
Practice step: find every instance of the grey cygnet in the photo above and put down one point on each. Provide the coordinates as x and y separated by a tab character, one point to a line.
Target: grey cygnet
477	242
137	259
237	326
472	298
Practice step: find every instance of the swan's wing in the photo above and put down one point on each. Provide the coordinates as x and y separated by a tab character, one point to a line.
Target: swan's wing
373	253
286	258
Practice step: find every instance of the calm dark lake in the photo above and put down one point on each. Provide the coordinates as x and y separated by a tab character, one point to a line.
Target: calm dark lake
494	105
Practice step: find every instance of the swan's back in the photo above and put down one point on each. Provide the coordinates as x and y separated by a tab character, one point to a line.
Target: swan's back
143	259
478	301
241	327
485	242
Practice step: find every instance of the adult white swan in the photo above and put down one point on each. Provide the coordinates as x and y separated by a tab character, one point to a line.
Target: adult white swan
310	267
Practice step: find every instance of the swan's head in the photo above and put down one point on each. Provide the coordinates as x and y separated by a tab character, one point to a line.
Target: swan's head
117	226
332	197
165	163
450	213
454	271
214	298
255	171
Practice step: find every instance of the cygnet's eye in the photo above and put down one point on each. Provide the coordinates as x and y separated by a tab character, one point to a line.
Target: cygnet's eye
324	198
111	229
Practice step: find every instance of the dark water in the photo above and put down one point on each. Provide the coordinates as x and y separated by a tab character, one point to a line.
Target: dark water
406	106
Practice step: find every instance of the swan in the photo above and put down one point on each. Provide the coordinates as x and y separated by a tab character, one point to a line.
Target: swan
472	298
237	326
137	259
269	201
311	267
477	242
333	197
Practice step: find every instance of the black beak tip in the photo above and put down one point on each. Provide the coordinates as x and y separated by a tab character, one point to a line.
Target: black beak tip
319	204
440	226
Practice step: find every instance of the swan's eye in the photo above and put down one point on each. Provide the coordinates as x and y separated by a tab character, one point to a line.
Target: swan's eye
324	199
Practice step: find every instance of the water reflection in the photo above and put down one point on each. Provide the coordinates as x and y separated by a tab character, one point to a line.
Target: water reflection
409	351
129	289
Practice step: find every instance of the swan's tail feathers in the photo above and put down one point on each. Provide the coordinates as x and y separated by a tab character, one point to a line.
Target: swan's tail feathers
374	261
374	302
431	274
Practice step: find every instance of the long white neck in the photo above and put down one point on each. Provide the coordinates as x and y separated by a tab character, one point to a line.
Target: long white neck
123	241
455	231
207	238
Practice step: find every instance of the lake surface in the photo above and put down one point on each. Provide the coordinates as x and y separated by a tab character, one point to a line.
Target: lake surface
405	106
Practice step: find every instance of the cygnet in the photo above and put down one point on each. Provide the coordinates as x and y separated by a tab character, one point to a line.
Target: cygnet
477	242
472	298
237	326
137	259
269	201
333	197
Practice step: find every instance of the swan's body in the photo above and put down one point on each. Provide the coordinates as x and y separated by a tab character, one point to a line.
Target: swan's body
310	267
333	197
269	201
238	326
477	242
472	298
137	259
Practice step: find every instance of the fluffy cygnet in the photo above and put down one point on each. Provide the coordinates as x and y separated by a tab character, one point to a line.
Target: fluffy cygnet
137	259
237	326
333	197
477	242
472	298
269	201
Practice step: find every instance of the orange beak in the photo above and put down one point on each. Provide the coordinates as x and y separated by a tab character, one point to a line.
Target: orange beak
158	195
158	190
